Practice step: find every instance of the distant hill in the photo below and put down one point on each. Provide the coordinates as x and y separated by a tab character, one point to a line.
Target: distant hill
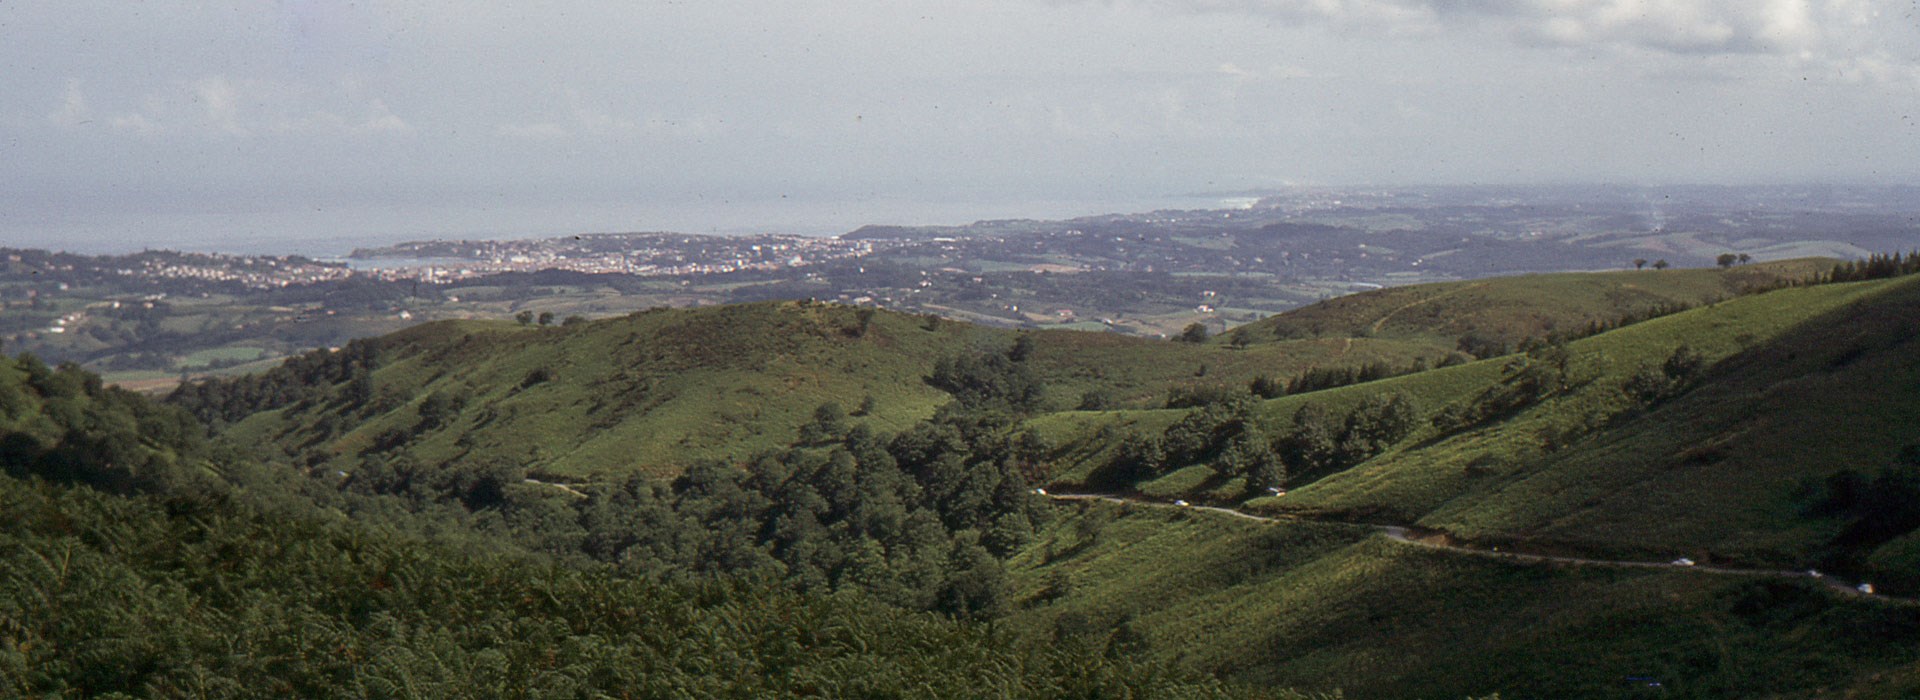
1499	313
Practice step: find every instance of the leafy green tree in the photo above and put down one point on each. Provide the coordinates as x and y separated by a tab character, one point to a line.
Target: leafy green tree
829	424
1683	365
1309	447
1098	399
1023	347
989	381
1250	454
524	317
1194	333
1647	386
1374	425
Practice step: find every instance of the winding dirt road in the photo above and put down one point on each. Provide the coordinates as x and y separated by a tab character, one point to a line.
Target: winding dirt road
1406	535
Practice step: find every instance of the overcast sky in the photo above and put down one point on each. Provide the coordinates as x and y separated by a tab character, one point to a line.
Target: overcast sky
130	123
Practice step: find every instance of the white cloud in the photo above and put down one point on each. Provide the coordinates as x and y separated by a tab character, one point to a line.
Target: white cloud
585	119
543	131
380	119
217	105
135	123
1859	39
219	99
1273	72
72	111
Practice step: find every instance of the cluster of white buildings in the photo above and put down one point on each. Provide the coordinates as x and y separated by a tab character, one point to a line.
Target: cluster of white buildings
255	273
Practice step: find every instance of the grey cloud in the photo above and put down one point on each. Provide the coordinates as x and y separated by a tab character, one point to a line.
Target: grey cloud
526	106
1828	30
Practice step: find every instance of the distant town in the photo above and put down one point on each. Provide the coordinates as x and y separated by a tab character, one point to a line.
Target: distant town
605	253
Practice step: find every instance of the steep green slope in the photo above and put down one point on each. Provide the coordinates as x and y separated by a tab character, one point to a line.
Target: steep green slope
1779	429
1797	386
1299	603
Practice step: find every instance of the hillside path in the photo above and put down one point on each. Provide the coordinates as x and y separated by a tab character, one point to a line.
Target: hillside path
1406	535
564	488
1382	323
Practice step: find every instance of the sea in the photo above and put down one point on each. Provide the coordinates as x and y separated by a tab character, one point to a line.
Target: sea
335	231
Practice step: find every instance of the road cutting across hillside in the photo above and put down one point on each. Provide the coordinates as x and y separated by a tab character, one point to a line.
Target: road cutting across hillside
1408	536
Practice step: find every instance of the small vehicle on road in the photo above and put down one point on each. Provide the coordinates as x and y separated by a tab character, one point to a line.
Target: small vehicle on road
1683	561
1182	504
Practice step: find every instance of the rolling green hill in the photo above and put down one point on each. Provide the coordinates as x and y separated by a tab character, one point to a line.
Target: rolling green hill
655	391
1503	312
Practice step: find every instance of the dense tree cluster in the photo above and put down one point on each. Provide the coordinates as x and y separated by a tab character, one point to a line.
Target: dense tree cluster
302	378
991	380
1227	436
1546	370
919	520
1322	378
167	596
1876	508
63	424
1319	444
1876	267
1652	385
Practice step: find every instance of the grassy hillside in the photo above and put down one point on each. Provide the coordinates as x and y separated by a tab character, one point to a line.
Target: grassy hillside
1508	310
1798	402
1797	386
655	391
1300	603
649	392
